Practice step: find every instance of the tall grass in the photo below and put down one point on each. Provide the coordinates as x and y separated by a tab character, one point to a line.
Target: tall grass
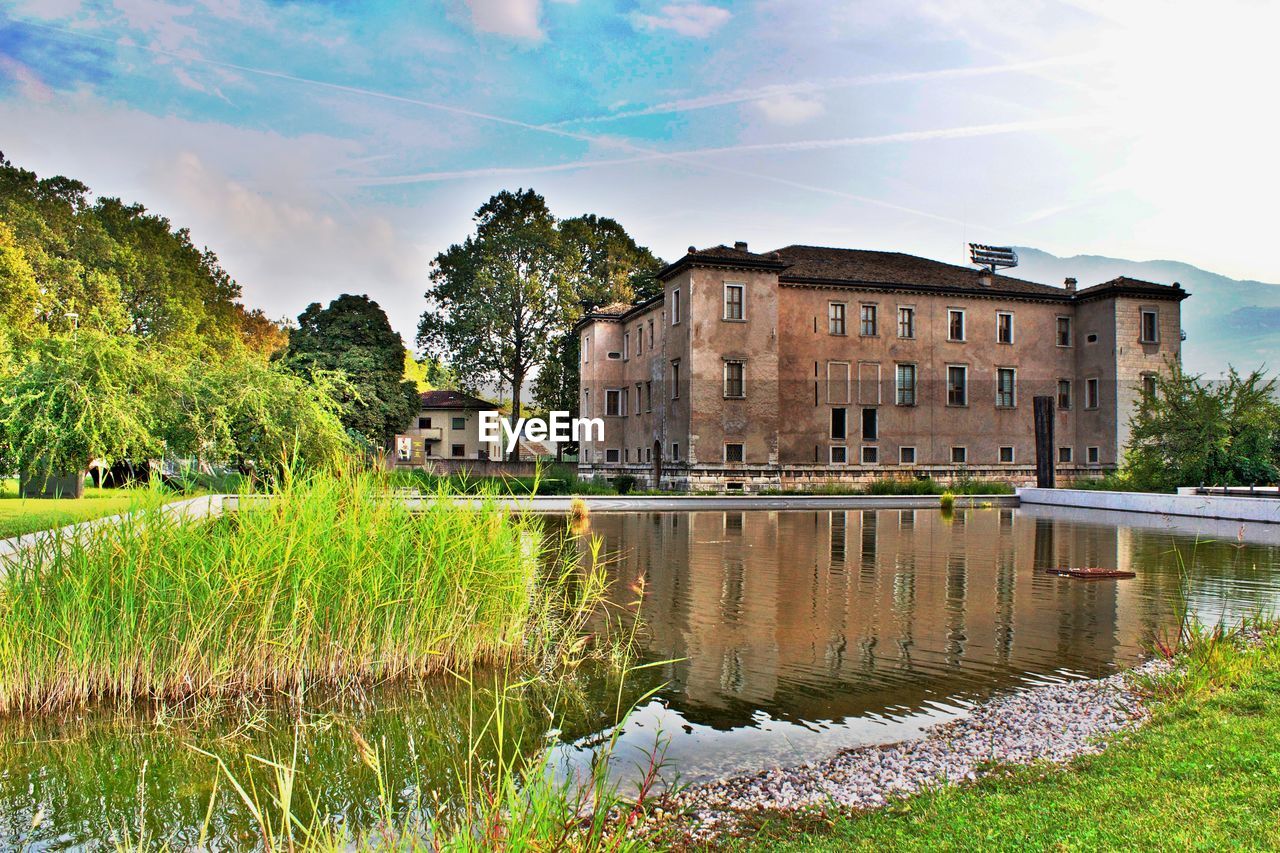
327	581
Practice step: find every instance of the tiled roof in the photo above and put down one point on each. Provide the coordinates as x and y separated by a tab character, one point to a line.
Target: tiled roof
1137	286
449	399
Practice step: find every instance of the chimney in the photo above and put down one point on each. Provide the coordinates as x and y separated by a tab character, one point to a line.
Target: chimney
1070	283
741	245
986	278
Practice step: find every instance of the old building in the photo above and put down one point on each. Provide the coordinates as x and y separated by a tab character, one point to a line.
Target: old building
807	365
447	426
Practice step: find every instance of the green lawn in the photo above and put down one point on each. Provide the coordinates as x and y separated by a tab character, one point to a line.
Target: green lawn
1204	774
18	515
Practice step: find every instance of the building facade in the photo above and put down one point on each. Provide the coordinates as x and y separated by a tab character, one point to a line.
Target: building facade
447	426
811	365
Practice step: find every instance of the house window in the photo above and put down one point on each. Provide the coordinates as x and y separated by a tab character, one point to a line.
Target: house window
870	425
611	455
870	455
1091	393
675	379
733	451
839	428
1006	454
626	454
675	306
839	454
586	402
675	451
959	455
638	388
1006	383
733	294
626	346
586	348
459	423
639	340
651	334
906	385
1064	394
869	327
1004	327
906	455
906	322
1091	454
1064	331
1149	384
835	318
734	386
626	405
424	423
648	396
1150	327
458	450
957	385
1064	455
612	402
955	324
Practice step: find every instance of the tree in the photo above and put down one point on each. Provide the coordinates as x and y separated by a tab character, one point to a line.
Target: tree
609	266
1192	432
556	388
499	300
353	337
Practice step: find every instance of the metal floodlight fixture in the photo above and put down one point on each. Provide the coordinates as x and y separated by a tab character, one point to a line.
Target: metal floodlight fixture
993	257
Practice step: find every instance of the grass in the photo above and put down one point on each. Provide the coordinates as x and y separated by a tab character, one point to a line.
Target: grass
27	515
328	583
1203	774
551	480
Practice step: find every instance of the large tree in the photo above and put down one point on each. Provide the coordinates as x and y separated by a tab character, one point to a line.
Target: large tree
353	337
499	300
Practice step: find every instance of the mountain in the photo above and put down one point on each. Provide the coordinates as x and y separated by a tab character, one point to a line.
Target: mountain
1227	321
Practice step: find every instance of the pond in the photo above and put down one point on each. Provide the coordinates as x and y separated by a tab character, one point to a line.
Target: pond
787	636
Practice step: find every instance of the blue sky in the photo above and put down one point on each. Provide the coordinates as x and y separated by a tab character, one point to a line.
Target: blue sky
334	147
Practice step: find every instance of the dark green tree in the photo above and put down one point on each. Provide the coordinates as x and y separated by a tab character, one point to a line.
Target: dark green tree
608	264
353	337
1194	432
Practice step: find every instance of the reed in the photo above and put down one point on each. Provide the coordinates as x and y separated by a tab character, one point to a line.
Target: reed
326	581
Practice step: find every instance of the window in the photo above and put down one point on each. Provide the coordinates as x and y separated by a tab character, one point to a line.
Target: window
957	385
626	345
1006	455
906	455
1091	393
959	455
586	348
626	454
424	423
675	306
1149	384
733	379
650	334
1150	327
648	396
458	450
733	301
1006	383
1064	455
1064	394
675	379
906	322
586	402
675	451
612	402
611	455
906	385
1004	327
459	423
839	454
869	326
638	389
1064	331
639	340
870	425
733	451
837	382
955	324
1091	454
626	406
839	429
615	355
835	318
870	455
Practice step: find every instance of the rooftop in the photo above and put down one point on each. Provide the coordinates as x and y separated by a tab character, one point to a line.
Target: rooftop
447	398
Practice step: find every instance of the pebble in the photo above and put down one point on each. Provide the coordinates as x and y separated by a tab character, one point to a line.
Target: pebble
1054	723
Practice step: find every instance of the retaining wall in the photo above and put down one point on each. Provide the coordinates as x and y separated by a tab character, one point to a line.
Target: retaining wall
1266	510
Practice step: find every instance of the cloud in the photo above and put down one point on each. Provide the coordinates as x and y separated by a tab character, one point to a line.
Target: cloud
788	108
695	20
518	19
30	86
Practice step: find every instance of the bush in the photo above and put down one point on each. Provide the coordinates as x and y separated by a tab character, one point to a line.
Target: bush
624	483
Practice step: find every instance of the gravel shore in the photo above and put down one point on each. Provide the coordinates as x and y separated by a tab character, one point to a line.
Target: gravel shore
1054	723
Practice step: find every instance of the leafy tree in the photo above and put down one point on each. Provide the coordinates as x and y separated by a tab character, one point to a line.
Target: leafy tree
353	337
556	388
498	301
1192	432
609	266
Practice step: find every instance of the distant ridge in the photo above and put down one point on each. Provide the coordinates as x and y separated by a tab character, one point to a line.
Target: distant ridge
1227	321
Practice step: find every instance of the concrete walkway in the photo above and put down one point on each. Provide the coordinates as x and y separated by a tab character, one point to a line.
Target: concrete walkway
720	503
1263	510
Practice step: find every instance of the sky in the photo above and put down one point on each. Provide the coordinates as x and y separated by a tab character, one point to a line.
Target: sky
329	147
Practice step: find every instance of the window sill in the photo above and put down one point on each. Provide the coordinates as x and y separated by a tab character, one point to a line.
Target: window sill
733	319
